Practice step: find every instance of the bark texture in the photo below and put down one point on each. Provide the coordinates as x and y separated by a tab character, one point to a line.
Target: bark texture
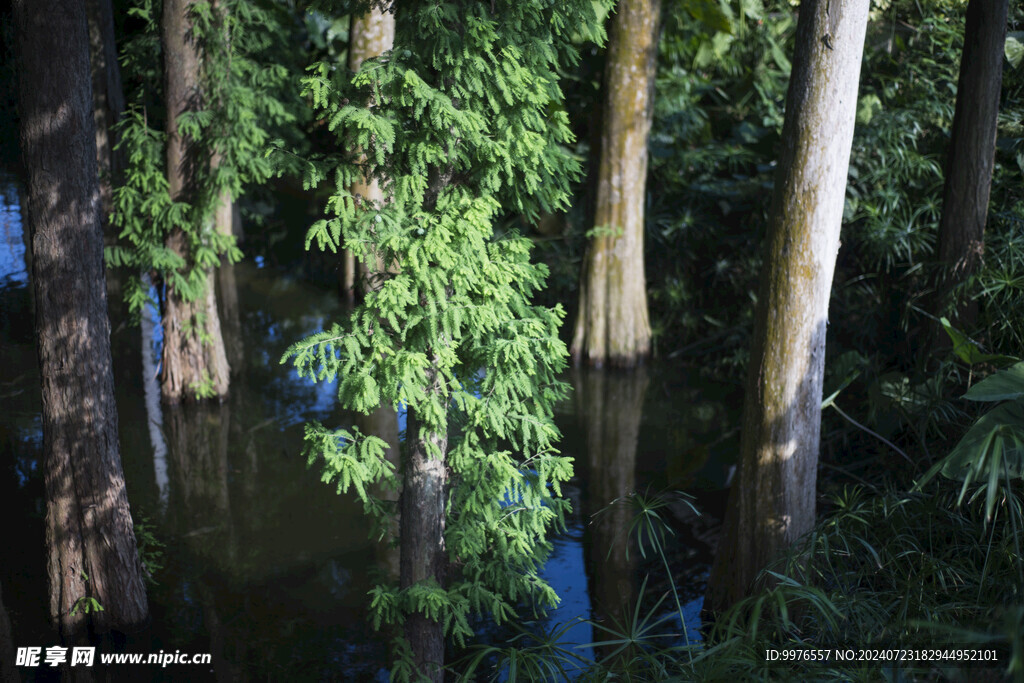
372	34
423	556
189	360
973	143
612	325
90	539
107	97
8	672
773	500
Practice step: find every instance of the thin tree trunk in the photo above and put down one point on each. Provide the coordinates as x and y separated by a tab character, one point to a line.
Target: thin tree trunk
382	422
612	324
151	397
227	292
372	34
193	354
773	500
90	538
108	97
423	558
972	145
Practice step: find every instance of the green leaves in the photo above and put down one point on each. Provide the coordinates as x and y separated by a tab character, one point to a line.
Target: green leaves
228	134
992	450
1014	48
1004	385
969	351
459	123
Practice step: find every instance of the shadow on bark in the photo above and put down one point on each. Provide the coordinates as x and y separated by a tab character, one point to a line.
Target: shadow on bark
772	501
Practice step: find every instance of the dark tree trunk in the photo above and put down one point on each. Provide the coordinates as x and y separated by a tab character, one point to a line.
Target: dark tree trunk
612	325
972	145
107	97
8	672
422	524
90	538
772	502
383	423
193	354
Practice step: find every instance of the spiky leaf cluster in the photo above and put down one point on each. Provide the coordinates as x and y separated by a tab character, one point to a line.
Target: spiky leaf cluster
459	122
242	105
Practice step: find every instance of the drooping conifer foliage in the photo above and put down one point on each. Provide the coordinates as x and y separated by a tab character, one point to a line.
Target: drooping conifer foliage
240	105
460	121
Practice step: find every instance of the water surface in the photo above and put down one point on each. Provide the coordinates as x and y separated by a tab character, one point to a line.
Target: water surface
266	567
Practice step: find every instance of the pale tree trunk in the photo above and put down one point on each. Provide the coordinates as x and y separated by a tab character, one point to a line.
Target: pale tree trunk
90	539
422	523
772	502
227	292
973	144
107	97
612	324
224	223
372	34
609	406
189	360
151	397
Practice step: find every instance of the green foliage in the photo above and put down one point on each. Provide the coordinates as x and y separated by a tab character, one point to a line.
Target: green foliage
203	388
243	103
458	122
992	450
151	548
721	87
881	568
86	603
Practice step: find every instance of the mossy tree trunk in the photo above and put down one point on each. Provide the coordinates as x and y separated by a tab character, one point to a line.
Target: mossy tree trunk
772	502
107	97
972	145
193	352
612	325
92	553
371	35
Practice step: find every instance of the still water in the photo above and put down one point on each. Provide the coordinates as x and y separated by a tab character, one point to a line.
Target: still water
265	567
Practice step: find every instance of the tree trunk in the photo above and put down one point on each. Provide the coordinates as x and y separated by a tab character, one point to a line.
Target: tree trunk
90	538
8	672
972	145
382	422
194	360
151	397
423	558
612	323
372	34
773	500
227	292
107	97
